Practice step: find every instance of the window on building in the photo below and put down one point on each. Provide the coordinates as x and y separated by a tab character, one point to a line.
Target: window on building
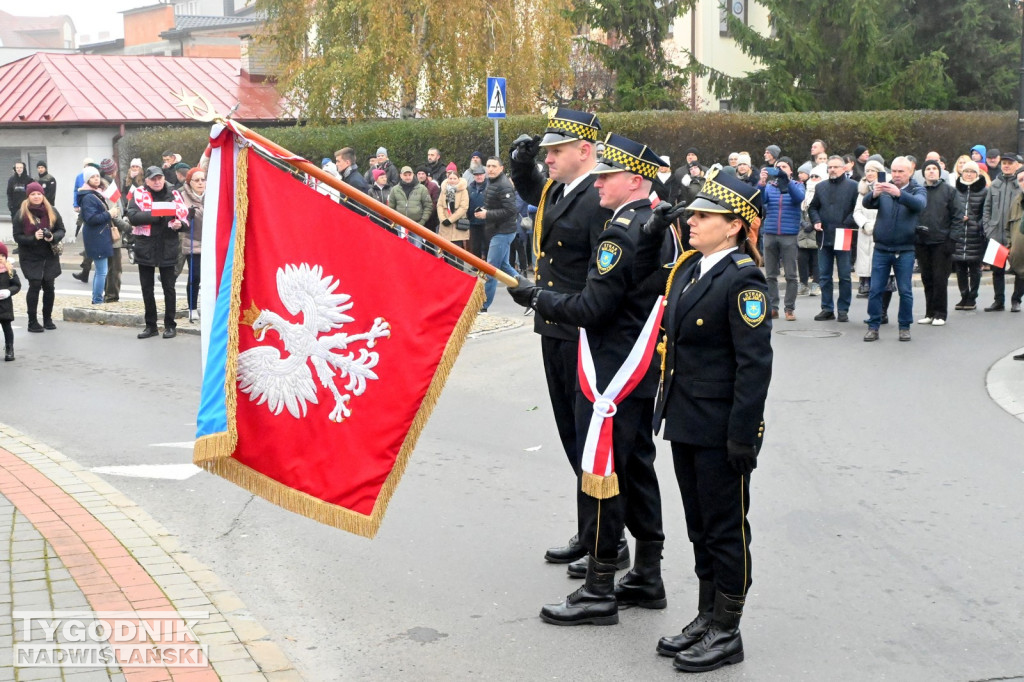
29	156
737	8
190	7
725	105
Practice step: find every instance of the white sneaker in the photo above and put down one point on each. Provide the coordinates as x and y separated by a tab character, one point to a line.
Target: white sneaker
925	320
938	322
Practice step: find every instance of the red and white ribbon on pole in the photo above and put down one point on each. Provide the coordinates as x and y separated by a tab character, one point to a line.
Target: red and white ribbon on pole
598	463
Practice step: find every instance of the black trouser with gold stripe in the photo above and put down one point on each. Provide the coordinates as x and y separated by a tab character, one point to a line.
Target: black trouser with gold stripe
638	504
715	500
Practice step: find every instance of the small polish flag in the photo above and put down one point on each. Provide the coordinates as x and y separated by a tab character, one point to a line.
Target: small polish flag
112	193
996	254
162	208
844	239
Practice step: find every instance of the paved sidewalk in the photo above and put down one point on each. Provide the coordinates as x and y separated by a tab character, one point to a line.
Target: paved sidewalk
74	543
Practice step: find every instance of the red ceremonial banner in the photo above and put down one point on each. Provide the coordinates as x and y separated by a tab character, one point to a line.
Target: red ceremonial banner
341	337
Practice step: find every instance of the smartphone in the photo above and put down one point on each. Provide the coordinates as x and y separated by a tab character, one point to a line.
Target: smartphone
882	177
772	171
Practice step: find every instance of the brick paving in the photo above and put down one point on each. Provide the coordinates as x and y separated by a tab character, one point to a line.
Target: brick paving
70	541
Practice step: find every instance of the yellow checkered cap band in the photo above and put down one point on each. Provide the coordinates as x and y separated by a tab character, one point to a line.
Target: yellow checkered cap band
721	194
615	156
581	131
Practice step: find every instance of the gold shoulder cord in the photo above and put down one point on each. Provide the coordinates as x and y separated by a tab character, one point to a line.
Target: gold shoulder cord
538	224
663	344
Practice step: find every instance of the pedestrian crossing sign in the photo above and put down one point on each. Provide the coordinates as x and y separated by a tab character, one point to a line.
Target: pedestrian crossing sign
497	104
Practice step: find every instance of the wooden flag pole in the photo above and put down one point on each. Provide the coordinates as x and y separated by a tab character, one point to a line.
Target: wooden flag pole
370	203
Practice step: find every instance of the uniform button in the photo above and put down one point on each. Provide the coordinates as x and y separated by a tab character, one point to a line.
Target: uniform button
559	243
551	284
541	254
700	323
551	260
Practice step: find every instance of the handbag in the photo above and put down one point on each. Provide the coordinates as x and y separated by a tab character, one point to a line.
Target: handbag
462	225
115	234
57	248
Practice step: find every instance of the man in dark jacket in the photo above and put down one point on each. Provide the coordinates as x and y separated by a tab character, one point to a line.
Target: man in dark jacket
934	246
782	197
996	217
567	230
435	166
156	213
899	204
477	191
831	208
345	158
48	182
16	185
500	221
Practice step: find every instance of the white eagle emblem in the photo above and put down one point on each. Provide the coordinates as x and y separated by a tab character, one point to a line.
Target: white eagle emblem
287	382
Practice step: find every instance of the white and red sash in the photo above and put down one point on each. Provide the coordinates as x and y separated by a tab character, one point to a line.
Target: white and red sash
599	478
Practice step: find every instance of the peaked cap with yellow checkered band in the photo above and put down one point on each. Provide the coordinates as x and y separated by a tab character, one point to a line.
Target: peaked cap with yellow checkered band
567	125
622	154
724	193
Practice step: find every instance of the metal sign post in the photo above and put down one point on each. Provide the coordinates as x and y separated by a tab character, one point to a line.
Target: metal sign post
497	106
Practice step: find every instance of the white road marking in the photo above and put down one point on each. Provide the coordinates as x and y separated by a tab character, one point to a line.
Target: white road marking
185	445
170	472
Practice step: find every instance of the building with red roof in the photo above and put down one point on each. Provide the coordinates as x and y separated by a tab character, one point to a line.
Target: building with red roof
65	107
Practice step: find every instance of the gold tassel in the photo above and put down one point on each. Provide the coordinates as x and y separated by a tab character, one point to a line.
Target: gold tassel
538	223
601	487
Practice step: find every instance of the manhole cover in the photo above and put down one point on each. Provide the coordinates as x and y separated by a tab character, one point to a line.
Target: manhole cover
810	333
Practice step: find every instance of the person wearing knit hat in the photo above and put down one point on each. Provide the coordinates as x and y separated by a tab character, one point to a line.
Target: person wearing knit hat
967	234
379	188
744	171
87	173
132	179
451	168
37	228
860	157
865	219
771	154
48	182
934	224
108	168
9	286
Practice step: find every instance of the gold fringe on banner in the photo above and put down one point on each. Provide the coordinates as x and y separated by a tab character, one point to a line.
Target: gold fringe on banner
214	452
601	487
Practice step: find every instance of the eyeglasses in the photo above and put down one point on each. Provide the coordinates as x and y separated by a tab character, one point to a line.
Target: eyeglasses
198	179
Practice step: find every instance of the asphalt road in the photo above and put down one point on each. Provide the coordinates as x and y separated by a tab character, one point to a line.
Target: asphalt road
886	512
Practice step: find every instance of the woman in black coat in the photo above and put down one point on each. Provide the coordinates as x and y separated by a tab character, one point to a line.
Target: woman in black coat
717	367
37	229
9	286
968	237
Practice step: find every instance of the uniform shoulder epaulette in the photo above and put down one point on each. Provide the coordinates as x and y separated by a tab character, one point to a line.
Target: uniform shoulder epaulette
742	260
625	218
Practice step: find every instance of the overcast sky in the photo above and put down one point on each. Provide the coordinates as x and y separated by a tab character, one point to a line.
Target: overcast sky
89	17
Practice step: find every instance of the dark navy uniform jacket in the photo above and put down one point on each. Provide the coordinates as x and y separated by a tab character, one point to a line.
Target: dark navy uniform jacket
570	232
612	307
719	355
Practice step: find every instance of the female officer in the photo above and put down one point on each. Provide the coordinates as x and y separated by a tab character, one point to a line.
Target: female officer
717	367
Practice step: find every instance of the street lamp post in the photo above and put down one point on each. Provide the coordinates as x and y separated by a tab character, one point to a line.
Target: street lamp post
1020	93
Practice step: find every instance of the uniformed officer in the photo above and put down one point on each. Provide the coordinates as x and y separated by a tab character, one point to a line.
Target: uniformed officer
567	228
718	364
618	317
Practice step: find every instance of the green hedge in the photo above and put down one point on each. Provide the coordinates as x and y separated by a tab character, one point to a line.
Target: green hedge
715	134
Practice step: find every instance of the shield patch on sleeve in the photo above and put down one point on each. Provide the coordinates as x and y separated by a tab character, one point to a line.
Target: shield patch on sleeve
608	254
753	306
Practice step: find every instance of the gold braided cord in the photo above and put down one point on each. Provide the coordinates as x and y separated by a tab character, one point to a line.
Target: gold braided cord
538	224
662	347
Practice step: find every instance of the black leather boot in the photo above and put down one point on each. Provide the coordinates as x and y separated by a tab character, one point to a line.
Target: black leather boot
721	644
592	604
567	554
578	568
9	352
692	633
643	586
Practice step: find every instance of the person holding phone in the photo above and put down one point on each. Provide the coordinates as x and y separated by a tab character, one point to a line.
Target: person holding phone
782	201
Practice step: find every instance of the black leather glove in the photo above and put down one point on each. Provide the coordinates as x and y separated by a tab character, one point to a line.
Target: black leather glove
525	294
662	216
446	222
782	181
742	458
524	149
